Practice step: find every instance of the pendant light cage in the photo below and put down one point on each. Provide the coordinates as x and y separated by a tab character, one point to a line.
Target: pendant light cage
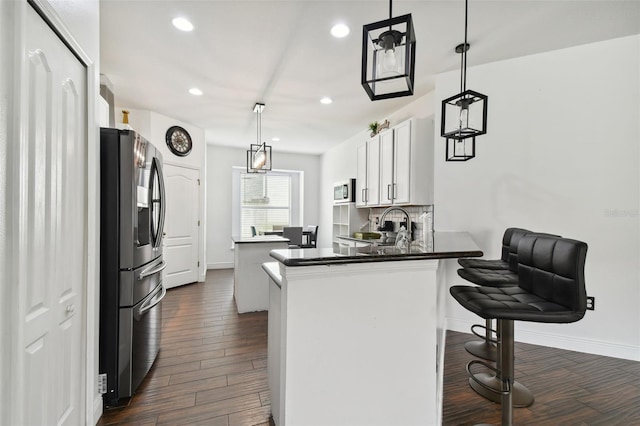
388	57
463	116
460	149
259	154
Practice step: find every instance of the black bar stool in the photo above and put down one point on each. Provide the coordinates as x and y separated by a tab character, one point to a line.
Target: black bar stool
551	289
496	273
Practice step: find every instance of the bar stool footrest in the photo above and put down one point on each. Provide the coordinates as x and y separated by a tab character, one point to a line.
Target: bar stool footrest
482	349
483	336
472	376
522	396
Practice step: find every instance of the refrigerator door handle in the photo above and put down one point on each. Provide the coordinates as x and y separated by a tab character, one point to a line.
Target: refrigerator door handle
152	270
163	207
150	302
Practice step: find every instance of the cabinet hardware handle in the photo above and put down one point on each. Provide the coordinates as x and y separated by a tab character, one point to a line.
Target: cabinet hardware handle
69	309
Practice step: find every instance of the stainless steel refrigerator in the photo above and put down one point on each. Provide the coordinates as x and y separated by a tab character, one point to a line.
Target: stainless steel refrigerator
132	210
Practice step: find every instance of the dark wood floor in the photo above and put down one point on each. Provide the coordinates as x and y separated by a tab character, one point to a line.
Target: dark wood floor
211	370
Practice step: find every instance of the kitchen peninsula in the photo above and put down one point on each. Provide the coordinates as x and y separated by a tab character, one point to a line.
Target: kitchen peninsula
357	337
249	286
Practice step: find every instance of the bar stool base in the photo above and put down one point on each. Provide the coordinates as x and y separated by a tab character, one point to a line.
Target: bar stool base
482	349
522	397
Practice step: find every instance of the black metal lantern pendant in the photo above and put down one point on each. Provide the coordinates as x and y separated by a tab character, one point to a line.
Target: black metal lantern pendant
463	116
258	154
388	57
460	149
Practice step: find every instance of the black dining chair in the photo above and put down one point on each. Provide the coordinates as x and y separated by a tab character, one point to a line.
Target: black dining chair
312	237
294	234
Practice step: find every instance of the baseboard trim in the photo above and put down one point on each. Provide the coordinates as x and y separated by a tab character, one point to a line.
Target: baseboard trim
220	265
97	408
560	341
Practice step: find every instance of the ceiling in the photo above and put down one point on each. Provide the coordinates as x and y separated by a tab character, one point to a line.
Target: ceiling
281	53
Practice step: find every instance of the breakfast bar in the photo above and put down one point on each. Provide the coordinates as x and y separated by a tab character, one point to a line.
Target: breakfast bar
357	336
249	287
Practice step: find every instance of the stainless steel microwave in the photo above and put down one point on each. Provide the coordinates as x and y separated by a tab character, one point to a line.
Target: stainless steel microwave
344	192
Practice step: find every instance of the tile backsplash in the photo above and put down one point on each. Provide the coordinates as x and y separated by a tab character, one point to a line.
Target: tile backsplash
397	216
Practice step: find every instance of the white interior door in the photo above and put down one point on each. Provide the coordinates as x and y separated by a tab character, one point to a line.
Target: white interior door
181	242
48	385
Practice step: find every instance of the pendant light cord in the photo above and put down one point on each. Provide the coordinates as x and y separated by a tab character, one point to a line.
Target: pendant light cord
463	74
259	129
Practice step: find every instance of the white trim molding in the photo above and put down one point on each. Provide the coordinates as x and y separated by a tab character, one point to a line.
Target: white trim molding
560	341
220	265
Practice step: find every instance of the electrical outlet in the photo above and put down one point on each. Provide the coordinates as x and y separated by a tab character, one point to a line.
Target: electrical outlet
591	303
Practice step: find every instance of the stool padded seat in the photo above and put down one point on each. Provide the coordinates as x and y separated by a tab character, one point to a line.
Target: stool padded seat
511	303
489	277
550	288
483	263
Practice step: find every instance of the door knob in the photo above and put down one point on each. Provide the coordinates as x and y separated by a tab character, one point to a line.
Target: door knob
70	309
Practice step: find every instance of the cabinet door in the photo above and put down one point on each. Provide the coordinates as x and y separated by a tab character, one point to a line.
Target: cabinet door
373	172
386	168
402	163
361	176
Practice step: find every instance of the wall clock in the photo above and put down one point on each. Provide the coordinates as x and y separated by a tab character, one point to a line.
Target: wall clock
179	141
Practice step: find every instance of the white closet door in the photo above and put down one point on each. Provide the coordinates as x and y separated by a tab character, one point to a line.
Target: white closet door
51	243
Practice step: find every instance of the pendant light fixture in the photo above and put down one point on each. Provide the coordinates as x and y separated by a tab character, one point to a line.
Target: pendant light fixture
259	154
388	57
464	116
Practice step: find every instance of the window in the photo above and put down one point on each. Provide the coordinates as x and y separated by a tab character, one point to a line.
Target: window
268	201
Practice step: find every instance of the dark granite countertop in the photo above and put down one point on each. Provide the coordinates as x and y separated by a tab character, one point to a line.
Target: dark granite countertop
379	241
259	239
442	245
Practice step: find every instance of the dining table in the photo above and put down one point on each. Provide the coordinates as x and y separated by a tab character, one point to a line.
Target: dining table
306	235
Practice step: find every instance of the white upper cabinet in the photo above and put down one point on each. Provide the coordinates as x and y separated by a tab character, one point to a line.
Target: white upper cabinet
405	164
386	167
368	176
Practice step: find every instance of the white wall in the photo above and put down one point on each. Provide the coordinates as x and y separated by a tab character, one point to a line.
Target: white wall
562	156
339	163
220	160
153	126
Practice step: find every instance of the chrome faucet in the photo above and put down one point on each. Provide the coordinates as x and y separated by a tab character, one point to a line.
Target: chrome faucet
406	213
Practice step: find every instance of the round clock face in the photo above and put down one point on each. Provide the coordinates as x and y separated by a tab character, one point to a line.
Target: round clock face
179	141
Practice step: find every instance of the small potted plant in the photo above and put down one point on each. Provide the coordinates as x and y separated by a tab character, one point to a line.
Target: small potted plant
374	128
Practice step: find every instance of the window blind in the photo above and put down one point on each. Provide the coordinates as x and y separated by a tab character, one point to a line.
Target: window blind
265	202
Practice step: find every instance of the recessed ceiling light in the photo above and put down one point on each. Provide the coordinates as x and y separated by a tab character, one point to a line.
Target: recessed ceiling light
326	100
195	91
275	139
340	30
182	24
